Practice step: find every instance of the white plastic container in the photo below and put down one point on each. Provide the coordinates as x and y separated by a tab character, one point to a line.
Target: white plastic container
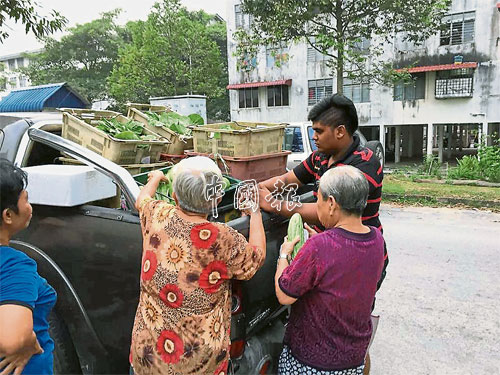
67	185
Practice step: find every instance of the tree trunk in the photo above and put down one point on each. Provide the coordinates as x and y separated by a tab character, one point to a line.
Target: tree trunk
340	50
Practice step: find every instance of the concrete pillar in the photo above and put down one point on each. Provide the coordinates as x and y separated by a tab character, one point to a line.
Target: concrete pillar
430	138
411	140
450	133
389	136
440	142
486	139
381	135
397	145
460	138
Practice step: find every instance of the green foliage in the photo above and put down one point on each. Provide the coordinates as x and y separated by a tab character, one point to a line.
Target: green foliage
26	12
84	58
336	27
130	130
484	166
174	121
173	52
430	166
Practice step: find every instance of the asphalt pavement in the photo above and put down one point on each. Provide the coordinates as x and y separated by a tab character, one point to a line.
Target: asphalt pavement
439	306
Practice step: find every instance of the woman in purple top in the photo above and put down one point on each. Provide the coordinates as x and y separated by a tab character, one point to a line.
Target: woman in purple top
331	283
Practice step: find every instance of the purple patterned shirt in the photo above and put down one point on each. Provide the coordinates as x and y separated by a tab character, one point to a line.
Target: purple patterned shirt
334	277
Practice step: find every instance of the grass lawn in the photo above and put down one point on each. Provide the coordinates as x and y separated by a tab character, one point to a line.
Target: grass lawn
404	187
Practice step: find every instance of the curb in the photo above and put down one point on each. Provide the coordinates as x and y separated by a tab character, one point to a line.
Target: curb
445	200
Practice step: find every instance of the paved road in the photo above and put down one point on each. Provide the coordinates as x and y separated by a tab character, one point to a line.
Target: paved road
440	302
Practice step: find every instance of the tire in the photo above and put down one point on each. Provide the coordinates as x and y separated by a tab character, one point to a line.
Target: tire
65	357
378	150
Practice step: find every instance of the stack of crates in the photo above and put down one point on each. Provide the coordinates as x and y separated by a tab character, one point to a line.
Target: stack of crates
79	126
250	150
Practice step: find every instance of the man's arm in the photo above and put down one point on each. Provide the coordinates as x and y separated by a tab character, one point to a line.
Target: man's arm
287	179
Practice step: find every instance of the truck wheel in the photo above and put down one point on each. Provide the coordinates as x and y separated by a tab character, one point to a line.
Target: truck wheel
65	358
378	150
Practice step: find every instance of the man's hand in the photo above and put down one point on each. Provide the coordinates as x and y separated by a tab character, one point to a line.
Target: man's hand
287	247
263	203
15	363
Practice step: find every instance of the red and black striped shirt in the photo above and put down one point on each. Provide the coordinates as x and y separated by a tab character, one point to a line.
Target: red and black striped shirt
316	164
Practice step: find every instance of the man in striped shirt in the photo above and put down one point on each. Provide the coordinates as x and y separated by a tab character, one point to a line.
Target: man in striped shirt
335	121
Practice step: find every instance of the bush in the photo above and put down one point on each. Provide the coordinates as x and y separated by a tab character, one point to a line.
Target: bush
430	167
484	166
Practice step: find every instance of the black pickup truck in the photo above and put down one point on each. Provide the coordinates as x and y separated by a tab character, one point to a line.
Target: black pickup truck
91	255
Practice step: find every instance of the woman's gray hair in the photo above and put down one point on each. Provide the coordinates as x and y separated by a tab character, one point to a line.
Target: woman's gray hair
348	186
194	184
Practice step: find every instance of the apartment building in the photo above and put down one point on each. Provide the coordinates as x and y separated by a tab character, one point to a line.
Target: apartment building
9	70
455	98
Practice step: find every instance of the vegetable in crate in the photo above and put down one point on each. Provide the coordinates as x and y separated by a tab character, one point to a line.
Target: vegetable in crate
296	228
130	130
174	121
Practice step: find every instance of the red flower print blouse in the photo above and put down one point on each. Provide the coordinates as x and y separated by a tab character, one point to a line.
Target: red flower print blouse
182	323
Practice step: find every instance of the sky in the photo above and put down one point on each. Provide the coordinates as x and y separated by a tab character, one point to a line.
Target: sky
81	11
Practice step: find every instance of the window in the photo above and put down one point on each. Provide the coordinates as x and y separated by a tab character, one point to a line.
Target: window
12	64
310	133
457	28
241	19
249	98
276	55
22	81
293	140
456	83
313	55
363	46
357	92
277	96
13	82
319	89
411	91
20	62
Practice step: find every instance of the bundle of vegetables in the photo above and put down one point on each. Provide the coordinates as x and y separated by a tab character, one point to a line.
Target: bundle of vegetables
296	228
130	130
174	121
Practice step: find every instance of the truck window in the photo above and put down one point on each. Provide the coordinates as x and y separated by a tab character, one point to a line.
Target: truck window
293	140
310	133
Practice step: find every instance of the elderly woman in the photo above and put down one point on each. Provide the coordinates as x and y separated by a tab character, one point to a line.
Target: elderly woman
183	318
26	299
331	283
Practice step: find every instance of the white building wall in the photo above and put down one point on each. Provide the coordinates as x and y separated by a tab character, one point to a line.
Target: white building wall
15	80
483	107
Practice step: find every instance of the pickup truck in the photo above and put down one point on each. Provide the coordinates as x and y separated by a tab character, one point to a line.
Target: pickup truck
298	140
91	254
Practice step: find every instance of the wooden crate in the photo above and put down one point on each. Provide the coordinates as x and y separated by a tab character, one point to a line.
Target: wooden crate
178	143
79	127
244	138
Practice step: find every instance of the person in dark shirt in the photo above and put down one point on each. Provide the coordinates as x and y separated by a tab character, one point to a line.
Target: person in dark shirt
334	121
331	283
26	298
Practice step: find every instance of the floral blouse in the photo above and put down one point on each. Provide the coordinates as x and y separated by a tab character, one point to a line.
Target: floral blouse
182	323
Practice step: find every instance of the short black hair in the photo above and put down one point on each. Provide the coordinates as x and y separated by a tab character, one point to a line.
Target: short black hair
334	111
13	181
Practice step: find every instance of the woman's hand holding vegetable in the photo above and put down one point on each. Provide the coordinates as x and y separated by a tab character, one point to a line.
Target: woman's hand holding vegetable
310	230
287	246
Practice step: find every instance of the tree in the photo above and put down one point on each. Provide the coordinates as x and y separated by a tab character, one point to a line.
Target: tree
336	28
26	12
84	58
173	52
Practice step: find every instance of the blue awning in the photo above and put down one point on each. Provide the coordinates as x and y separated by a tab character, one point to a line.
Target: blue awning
38	98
